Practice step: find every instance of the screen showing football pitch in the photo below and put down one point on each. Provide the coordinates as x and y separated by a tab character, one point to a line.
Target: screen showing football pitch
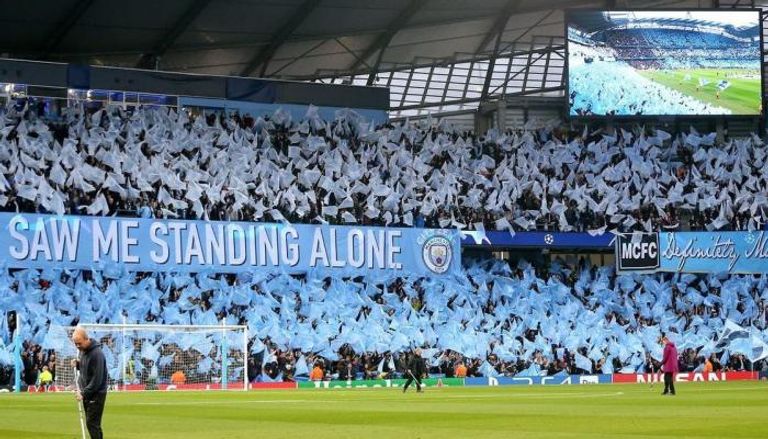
636	63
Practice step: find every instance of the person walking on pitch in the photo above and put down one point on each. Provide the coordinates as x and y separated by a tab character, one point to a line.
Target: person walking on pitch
669	365
92	381
415	371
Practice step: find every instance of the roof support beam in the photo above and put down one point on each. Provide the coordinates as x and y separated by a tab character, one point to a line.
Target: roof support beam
497	30
498	26
532	27
382	41
293	61
473	100
149	60
71	17
350	51
286	30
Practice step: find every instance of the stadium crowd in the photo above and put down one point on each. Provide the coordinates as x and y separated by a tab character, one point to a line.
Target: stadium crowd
494	319
673	38
675	49
273	169
616	88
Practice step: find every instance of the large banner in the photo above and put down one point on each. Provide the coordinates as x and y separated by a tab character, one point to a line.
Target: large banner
369	384
555	240
685	377
693	252
638	252
554	380
82	242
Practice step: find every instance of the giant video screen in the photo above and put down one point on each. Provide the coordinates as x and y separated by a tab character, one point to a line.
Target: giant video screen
653	63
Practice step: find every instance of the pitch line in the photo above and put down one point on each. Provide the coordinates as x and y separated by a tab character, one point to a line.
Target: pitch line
295	401
230	402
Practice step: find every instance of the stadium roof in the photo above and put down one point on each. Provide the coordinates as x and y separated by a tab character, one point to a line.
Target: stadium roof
287	38
297	39
443	55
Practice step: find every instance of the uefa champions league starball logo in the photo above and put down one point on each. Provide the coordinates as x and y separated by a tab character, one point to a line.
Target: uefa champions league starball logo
436	251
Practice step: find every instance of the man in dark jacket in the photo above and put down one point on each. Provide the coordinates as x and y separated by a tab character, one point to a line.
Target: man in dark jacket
415	370
669	365
93	380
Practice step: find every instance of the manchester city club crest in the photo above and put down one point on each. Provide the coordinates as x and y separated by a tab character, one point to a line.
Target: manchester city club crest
437	253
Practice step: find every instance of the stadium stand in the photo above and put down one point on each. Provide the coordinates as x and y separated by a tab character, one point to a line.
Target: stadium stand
529	321
383	218
494	319
687	48
344	171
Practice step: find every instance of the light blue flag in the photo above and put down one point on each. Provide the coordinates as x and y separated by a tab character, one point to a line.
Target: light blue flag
724	357
759	349
241	296
730	333
487	370
741	346
329	354
257	346
533	371
707	349
608	366
111	270
138	366
166	360
58	339
628	369
266	379
204	365
109	356
302	369
267	358
173	316
582	362
596	353
114	372
221	300
150	351
204	346
6	356
303	340
693	296
205	318
561	374
145	212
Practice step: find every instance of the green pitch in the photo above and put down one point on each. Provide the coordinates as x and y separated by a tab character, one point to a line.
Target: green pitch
700	410
742	97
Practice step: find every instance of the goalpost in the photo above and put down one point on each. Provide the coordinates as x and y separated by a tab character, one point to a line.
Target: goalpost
163	357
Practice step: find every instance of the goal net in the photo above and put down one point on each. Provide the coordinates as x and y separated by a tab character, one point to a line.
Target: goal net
162	357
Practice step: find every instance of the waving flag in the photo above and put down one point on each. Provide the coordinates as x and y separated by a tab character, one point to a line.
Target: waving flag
582	362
